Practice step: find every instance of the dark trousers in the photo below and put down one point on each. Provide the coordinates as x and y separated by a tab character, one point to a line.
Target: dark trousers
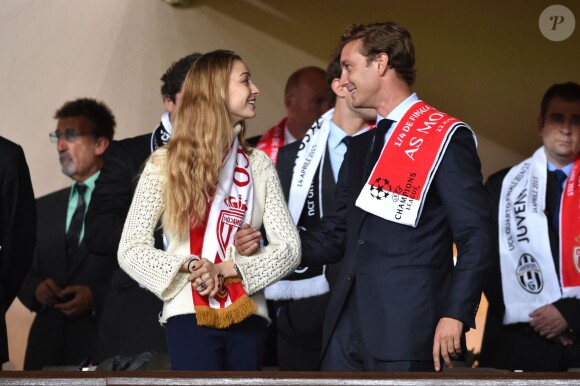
347	351
239	347
56	340
519	347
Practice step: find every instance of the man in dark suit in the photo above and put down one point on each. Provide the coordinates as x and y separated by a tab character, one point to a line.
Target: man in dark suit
17	229
129	325
66	285
399	303
302	298
534	316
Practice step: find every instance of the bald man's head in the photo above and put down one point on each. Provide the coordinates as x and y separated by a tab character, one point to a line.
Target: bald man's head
306	98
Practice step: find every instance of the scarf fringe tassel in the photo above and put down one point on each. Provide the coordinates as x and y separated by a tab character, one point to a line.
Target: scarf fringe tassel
222	318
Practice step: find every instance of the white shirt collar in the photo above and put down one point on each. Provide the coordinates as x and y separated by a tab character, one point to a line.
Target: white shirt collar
399	111
166	121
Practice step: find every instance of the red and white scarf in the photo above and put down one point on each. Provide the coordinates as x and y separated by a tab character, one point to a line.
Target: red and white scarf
231	207
528	275
273	140
400	180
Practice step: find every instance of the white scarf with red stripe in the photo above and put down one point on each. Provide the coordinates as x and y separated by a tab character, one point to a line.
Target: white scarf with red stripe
528	275
400	180
231	207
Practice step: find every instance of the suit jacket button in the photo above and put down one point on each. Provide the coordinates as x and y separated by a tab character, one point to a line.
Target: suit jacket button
349	278
361	242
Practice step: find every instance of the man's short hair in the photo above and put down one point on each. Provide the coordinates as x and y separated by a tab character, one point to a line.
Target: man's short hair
175	75
569	91
389	38
333	71
96	112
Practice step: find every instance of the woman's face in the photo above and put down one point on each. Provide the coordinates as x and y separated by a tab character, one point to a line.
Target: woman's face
242	93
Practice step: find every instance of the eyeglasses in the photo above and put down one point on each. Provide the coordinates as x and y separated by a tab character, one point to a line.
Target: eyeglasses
69	135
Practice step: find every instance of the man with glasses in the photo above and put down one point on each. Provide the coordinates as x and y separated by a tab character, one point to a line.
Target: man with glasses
66	285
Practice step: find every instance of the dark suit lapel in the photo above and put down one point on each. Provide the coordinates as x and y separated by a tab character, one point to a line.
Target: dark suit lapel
328	184
285	166
59	234
361	162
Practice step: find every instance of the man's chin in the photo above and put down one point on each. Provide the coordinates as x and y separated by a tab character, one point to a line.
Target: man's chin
68	170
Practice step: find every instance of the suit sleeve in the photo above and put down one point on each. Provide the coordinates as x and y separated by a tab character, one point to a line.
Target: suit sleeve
285	168
18	225
109	204
459	184
325	244
27	294
493	287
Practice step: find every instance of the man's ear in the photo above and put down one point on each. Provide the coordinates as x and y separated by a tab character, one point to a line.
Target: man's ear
339	90
288	100
169	104
102	145
540	125
382	62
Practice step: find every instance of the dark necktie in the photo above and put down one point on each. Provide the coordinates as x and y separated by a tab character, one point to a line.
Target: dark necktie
347	140
378	141
560	177
76	223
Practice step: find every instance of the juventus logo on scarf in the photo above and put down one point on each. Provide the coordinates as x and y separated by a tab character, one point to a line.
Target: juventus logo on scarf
162	133
528	275
230	208
305	208
273	140
401	177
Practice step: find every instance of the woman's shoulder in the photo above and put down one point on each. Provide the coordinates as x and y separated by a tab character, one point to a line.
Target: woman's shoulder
156	160
260	161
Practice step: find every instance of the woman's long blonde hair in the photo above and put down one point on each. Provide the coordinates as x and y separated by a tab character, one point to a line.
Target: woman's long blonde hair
201	138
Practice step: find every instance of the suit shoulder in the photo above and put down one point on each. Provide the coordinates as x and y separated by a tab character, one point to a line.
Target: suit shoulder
10	151
144	139
291	148
51	198
497	177
139	146
9	147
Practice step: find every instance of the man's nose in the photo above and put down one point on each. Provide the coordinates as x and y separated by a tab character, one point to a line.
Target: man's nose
61	144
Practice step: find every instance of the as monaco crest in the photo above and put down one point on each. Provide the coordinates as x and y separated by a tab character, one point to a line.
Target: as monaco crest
576	257
229	221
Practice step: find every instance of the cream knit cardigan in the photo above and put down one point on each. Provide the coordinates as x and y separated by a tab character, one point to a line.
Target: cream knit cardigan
158	271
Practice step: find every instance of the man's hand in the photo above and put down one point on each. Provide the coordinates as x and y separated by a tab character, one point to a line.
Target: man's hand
548	321
565	340
48	293
81	302
247	240
447	341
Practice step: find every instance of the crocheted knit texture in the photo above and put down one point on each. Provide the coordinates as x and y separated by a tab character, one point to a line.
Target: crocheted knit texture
158	270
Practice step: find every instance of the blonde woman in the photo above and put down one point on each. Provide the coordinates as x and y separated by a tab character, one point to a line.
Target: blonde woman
203	186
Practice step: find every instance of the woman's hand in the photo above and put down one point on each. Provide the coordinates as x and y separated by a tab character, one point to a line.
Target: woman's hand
205	277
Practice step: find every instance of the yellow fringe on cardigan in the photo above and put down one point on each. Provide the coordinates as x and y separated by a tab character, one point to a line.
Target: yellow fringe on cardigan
222	318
